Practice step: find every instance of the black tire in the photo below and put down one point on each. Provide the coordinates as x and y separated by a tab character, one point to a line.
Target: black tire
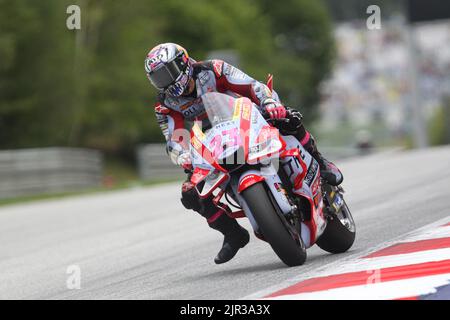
337	238
275	231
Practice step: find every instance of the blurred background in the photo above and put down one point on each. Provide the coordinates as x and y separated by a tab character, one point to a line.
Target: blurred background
76	109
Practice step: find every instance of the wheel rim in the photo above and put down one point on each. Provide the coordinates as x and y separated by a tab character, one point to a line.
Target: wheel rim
346	218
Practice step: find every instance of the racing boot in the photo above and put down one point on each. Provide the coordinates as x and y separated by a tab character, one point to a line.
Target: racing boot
295	127
328	170
235	237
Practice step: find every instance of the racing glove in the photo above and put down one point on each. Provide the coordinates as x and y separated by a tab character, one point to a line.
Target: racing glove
274	109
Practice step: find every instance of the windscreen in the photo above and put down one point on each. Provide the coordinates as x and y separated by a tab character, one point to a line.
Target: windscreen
218	106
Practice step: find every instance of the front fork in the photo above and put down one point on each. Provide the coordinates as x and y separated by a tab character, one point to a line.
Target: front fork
333	199
270	177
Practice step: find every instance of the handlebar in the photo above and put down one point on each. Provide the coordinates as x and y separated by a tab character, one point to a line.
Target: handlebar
268	118
285	120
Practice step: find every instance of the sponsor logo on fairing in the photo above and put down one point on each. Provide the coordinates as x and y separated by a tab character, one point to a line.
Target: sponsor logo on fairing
315	186
246	112
311	173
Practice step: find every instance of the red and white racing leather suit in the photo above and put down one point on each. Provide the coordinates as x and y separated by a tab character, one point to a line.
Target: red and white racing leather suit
172	112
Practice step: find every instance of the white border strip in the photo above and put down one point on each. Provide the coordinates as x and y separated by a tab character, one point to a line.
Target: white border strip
389	290
329	269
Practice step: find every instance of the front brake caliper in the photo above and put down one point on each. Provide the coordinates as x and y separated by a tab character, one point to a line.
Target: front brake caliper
332	199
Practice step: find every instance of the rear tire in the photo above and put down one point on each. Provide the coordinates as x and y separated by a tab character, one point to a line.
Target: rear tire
337	238
275	231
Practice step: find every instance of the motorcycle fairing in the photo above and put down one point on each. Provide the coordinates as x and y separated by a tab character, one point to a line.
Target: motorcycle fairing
201	156
212	182
294	166
247	129
248	180
264	141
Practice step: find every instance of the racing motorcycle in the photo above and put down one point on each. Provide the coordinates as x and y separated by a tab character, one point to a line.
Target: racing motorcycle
268	178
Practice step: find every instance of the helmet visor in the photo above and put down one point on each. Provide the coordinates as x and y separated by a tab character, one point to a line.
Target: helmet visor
166	74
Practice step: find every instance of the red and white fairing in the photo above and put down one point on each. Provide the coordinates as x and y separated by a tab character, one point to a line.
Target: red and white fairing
238	126
303	171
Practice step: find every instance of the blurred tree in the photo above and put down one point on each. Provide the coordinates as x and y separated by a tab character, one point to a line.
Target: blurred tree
113	116
438	124
119	88
304	51
35	76
88	87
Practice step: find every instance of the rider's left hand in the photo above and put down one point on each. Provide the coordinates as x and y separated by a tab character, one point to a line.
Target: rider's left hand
184	160
275	109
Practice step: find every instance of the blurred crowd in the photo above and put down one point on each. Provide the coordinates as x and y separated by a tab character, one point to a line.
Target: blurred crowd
371	81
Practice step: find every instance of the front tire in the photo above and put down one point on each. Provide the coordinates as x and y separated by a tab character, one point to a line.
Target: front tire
274	227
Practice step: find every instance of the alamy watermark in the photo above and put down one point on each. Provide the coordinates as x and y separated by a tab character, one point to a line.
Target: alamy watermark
73	281
375	276
73	22
373	22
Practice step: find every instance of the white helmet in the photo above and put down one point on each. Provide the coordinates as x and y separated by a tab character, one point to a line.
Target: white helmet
169	68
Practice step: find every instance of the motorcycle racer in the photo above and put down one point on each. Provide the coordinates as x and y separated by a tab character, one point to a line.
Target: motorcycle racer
181	81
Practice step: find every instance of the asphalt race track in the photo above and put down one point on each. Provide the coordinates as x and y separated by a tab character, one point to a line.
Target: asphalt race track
142	244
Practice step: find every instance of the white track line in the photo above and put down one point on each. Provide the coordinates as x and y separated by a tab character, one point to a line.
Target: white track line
377	291
433	229
391	261
439	232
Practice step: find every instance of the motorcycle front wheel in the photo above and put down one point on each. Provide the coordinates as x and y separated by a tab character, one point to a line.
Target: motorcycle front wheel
282	236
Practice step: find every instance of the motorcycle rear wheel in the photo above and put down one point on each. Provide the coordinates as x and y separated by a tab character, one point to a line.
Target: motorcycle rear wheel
284	240
340	232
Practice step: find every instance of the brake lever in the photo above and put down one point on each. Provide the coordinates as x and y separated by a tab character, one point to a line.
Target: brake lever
267	117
